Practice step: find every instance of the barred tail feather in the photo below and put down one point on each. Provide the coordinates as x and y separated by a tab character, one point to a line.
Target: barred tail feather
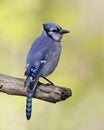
31	88
29	104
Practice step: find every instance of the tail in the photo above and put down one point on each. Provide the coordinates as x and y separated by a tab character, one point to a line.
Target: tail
29	104
31	88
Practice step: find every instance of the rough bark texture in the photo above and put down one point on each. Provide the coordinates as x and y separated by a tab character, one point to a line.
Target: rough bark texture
46	92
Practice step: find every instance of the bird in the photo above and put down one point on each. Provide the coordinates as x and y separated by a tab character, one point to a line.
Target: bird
42	59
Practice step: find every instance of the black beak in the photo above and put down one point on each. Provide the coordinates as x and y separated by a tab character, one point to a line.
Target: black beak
64	31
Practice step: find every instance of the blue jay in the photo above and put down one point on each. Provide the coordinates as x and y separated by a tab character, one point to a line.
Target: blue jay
42	59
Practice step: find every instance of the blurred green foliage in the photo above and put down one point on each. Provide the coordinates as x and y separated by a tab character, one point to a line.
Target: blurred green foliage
81	65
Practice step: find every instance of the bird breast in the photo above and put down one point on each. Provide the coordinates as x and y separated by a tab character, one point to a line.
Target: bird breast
52	59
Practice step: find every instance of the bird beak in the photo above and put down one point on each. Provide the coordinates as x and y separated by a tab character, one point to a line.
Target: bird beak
64	31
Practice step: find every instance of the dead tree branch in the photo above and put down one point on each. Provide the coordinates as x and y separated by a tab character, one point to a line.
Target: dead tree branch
46	92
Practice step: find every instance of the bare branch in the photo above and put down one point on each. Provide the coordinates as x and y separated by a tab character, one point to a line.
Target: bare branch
46	92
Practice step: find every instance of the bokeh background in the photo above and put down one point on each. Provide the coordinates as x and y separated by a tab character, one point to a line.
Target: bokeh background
81	65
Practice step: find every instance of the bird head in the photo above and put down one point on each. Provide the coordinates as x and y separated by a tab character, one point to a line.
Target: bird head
54	31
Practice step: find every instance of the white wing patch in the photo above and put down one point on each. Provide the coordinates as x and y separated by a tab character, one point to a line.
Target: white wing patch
42	61
31	78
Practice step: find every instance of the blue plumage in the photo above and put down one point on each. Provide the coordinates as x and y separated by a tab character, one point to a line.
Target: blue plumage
29	104
42	59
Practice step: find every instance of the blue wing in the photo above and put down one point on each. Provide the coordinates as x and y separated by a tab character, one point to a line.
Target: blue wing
32	74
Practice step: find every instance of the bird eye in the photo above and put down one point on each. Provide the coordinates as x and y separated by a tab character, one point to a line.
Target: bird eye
54	30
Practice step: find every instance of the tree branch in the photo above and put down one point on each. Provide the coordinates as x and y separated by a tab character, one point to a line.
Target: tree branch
46	92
